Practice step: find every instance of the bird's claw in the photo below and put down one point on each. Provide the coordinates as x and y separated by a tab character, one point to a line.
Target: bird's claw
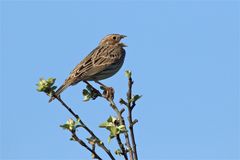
108	93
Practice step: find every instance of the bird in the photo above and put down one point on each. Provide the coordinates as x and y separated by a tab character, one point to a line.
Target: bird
101	63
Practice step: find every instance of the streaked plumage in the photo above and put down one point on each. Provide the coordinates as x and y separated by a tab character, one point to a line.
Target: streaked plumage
103	62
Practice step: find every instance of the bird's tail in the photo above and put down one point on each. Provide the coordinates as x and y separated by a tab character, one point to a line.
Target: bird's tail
59	91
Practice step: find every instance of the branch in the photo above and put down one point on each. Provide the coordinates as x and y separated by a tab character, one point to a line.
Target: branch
108	94
48	87
100	143
81	142
130	106
122	122
124	153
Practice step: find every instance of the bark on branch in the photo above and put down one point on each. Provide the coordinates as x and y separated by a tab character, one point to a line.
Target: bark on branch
100	143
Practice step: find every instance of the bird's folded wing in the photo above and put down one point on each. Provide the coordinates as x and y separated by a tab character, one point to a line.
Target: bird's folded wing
105	60
81	68
98	60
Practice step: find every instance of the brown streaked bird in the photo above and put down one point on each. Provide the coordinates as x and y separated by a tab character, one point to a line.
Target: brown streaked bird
103	62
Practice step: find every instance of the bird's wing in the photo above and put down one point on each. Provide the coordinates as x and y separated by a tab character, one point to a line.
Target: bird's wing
78	72
105	59
98	60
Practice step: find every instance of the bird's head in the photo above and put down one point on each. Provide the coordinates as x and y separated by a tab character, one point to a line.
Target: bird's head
113	39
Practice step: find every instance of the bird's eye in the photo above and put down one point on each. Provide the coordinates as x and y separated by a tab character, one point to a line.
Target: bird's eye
114	37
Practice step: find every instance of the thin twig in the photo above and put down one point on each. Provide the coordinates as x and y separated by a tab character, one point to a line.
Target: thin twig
122	122
100	143
81	142
130	107
93	148
124	153
66	106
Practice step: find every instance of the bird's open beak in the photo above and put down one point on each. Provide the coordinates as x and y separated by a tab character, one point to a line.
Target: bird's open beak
123	45
123	36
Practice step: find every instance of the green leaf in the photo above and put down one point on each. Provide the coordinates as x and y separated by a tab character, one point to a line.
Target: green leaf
112	136
86	98
70	125
86	95
70	122
121	101
104	125
40	89
118	152
42	82
65	126
135	98
109	139
51	81
102	88
128	73
54	87
46	85
72	139
112	119
49	92
122	128
111	126
113	131
85	92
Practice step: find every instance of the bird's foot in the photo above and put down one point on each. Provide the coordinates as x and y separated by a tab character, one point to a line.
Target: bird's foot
108	93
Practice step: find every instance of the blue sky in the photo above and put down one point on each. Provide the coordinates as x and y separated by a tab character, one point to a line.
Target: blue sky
185	61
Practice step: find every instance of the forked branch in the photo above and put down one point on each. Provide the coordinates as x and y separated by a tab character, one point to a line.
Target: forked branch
99	142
